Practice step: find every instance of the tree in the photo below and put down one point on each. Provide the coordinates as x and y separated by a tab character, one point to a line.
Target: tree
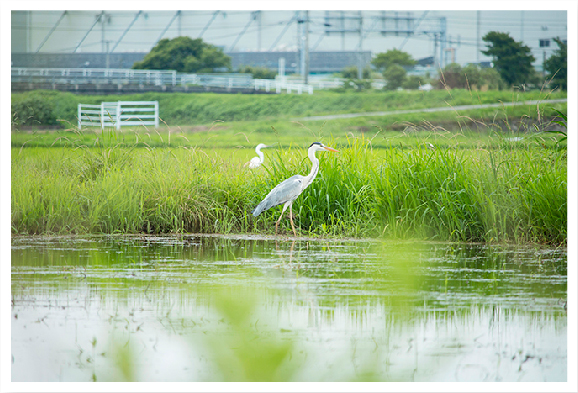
472	75
512	59
258	72
453	77
351	72
184	54
395	75
478	78
557	65
412	82
492	79
382	61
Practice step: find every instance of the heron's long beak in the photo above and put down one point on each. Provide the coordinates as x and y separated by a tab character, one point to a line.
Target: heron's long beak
330	149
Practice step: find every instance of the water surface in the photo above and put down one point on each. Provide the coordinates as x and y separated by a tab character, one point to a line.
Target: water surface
243	308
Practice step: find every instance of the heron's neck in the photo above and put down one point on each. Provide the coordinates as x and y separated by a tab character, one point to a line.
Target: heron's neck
314	168
260	154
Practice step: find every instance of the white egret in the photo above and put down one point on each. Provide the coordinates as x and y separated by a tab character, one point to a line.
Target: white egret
257	161
287	191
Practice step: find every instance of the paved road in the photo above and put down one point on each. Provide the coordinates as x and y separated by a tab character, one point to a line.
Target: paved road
445	108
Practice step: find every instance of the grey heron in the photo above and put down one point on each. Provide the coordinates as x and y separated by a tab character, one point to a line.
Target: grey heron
288	190
257	161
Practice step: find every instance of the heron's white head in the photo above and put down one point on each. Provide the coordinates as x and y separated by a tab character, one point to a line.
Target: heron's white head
260	146
318	146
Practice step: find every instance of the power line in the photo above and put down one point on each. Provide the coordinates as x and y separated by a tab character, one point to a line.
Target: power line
556	26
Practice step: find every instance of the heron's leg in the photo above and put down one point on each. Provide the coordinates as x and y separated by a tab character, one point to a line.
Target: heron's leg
291	218
280	217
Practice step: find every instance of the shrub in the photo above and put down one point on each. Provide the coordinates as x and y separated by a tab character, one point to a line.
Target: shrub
32	111
258	72
557	65
456	77
395	76
351	73
412	82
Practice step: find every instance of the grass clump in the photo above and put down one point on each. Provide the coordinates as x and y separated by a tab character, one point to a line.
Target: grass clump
495	192
151	192
483	195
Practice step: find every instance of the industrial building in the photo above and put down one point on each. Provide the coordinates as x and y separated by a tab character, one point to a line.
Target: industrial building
447	36
321	41
292	42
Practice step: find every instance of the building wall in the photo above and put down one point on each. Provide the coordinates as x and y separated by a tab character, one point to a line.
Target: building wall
246	31
20	39
230	30
76	60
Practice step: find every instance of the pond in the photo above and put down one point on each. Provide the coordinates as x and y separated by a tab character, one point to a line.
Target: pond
249	308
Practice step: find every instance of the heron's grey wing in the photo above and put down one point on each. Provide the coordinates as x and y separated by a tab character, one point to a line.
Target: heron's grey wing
283	192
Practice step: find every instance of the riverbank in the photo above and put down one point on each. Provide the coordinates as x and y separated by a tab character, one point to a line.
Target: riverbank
179	109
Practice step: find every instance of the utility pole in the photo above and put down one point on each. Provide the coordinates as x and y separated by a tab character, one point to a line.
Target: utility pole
306	69
522	27
442	41
478	37
304	41
107	55
103	21
436	61
342	30
359	54
259	14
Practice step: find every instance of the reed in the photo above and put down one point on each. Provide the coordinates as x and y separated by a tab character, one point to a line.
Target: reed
495	192
505	183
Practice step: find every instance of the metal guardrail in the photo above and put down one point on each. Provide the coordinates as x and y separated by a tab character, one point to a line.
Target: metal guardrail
119	114
94	75
151	77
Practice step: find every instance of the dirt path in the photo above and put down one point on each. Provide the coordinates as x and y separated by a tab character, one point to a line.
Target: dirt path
440	109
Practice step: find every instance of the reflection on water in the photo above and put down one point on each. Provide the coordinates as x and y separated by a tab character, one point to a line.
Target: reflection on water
184	308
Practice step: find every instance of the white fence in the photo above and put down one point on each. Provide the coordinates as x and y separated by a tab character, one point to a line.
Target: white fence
172	78
278	86
118	114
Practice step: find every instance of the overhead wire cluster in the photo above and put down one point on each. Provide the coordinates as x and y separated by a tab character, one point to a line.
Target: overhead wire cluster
317	26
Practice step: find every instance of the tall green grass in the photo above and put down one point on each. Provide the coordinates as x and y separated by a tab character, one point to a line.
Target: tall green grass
498	191
61	191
